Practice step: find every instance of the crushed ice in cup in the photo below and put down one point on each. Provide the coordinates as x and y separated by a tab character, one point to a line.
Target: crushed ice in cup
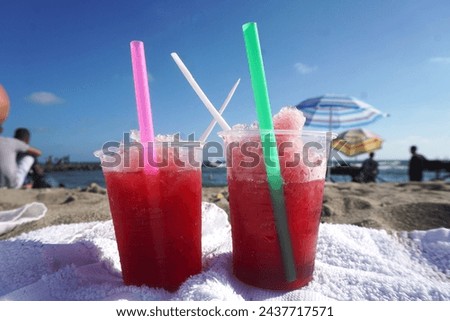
130	157
297	164
289	118
134	135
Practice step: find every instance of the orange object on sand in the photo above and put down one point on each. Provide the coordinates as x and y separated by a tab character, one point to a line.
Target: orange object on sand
4	104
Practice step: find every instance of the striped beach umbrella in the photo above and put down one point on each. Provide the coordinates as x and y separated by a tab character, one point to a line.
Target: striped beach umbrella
338	111
357	141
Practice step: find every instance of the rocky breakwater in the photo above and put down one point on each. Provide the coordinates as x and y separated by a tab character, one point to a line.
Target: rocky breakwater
78	166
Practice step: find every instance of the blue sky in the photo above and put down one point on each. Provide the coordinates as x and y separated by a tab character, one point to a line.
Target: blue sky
66	65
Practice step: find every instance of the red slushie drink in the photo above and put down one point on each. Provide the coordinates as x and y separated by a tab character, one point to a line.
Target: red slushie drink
256	252
157	217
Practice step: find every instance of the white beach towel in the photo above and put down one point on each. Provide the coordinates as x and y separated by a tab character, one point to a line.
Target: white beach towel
80	262
27	213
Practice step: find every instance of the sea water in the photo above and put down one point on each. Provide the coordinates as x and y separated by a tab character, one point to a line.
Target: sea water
390	171
211	176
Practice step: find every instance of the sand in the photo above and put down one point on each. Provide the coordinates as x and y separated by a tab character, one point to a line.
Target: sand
388	206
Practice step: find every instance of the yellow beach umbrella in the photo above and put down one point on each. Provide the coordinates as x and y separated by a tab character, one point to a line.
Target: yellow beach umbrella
357	141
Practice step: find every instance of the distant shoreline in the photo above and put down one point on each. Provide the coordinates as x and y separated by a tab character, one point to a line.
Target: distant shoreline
89	166
73	166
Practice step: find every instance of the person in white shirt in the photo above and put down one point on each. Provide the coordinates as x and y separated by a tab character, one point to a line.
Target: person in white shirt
10	148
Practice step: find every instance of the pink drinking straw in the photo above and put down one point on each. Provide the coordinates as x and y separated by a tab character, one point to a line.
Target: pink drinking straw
142	99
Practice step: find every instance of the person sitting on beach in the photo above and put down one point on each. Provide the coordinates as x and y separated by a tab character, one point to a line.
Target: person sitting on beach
9	169
10	147
29	173
369	169
416	165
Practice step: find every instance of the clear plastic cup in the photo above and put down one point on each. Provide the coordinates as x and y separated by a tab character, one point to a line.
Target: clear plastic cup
256	252
156	214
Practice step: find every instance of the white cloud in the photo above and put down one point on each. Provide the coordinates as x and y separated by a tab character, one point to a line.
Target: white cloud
440	60
44	98
304	69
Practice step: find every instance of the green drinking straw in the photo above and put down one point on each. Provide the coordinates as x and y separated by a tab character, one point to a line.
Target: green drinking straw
270	153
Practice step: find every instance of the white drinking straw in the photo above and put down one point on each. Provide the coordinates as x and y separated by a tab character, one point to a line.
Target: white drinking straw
200	92
213	122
